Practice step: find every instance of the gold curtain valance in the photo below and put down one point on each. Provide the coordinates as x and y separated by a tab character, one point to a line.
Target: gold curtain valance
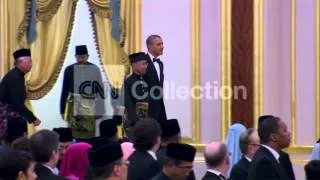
23	26
100	8
47	8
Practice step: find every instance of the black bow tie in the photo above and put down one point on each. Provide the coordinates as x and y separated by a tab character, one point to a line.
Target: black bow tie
156	60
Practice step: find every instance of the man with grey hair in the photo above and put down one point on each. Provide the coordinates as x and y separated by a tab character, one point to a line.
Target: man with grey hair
249	144
217	159
155	78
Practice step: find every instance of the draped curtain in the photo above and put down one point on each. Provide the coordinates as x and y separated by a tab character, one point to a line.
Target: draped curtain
53	30
112	55
13	24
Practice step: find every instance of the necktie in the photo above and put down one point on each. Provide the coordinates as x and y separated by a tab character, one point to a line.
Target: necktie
156	60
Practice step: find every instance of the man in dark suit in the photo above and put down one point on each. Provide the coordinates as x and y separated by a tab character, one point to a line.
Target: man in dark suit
146	140
274	136
13	94
217	159
155	78
178	162
284	157
44	146
249	144
312	170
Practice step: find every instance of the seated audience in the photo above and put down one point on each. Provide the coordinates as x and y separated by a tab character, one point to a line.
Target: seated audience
274	137
107	163
312	170
16	165
216	156
75	163
146	141
249	144
178	162
44	145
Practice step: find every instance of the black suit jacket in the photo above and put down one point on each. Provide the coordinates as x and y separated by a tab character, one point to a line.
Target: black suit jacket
211	176
156	106
142	166
240	170
44	173
161	176
265	167
286	164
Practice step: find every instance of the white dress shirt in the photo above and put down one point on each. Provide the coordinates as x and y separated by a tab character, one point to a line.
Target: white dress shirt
54	171
249	159
156	65
216	173
152	154
273	152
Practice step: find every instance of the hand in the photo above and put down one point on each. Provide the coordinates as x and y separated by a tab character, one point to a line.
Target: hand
37	122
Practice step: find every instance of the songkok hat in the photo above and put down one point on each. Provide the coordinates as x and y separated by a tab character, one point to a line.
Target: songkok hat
21	53
136	57
81	50
105	155
170	128
183	152
65	134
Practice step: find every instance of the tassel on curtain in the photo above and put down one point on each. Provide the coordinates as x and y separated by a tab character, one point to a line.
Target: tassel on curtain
113	58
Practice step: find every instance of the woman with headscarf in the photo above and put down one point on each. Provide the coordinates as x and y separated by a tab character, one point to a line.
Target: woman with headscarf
75	163
232	142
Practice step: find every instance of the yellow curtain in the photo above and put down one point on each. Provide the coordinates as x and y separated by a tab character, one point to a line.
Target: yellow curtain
131	15
13	23
112	56
54	26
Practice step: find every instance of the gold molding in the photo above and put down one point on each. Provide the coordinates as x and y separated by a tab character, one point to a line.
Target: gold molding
317	68
293	70
195	72
225	60
258	59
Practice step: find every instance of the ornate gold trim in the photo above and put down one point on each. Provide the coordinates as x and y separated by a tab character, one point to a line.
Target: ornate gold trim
195	64
317	69
293	71
33	95
258	59
23	26
98	9
225	64
49	11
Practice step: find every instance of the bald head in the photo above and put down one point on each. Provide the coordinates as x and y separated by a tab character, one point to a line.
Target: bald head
215	154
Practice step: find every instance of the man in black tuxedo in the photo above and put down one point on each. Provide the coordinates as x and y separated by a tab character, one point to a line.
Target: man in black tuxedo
312	170
284	157
155	78
146	140
217	159
249	144
274	136
44	146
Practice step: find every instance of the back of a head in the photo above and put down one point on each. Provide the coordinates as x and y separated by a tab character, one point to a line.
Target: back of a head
13	162
267	127
215	154
42	144
145	133
21	144
312	170
245	140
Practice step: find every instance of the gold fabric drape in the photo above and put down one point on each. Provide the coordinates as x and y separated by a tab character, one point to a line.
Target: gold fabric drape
14	16
131	14
50	47
113	57
13	22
